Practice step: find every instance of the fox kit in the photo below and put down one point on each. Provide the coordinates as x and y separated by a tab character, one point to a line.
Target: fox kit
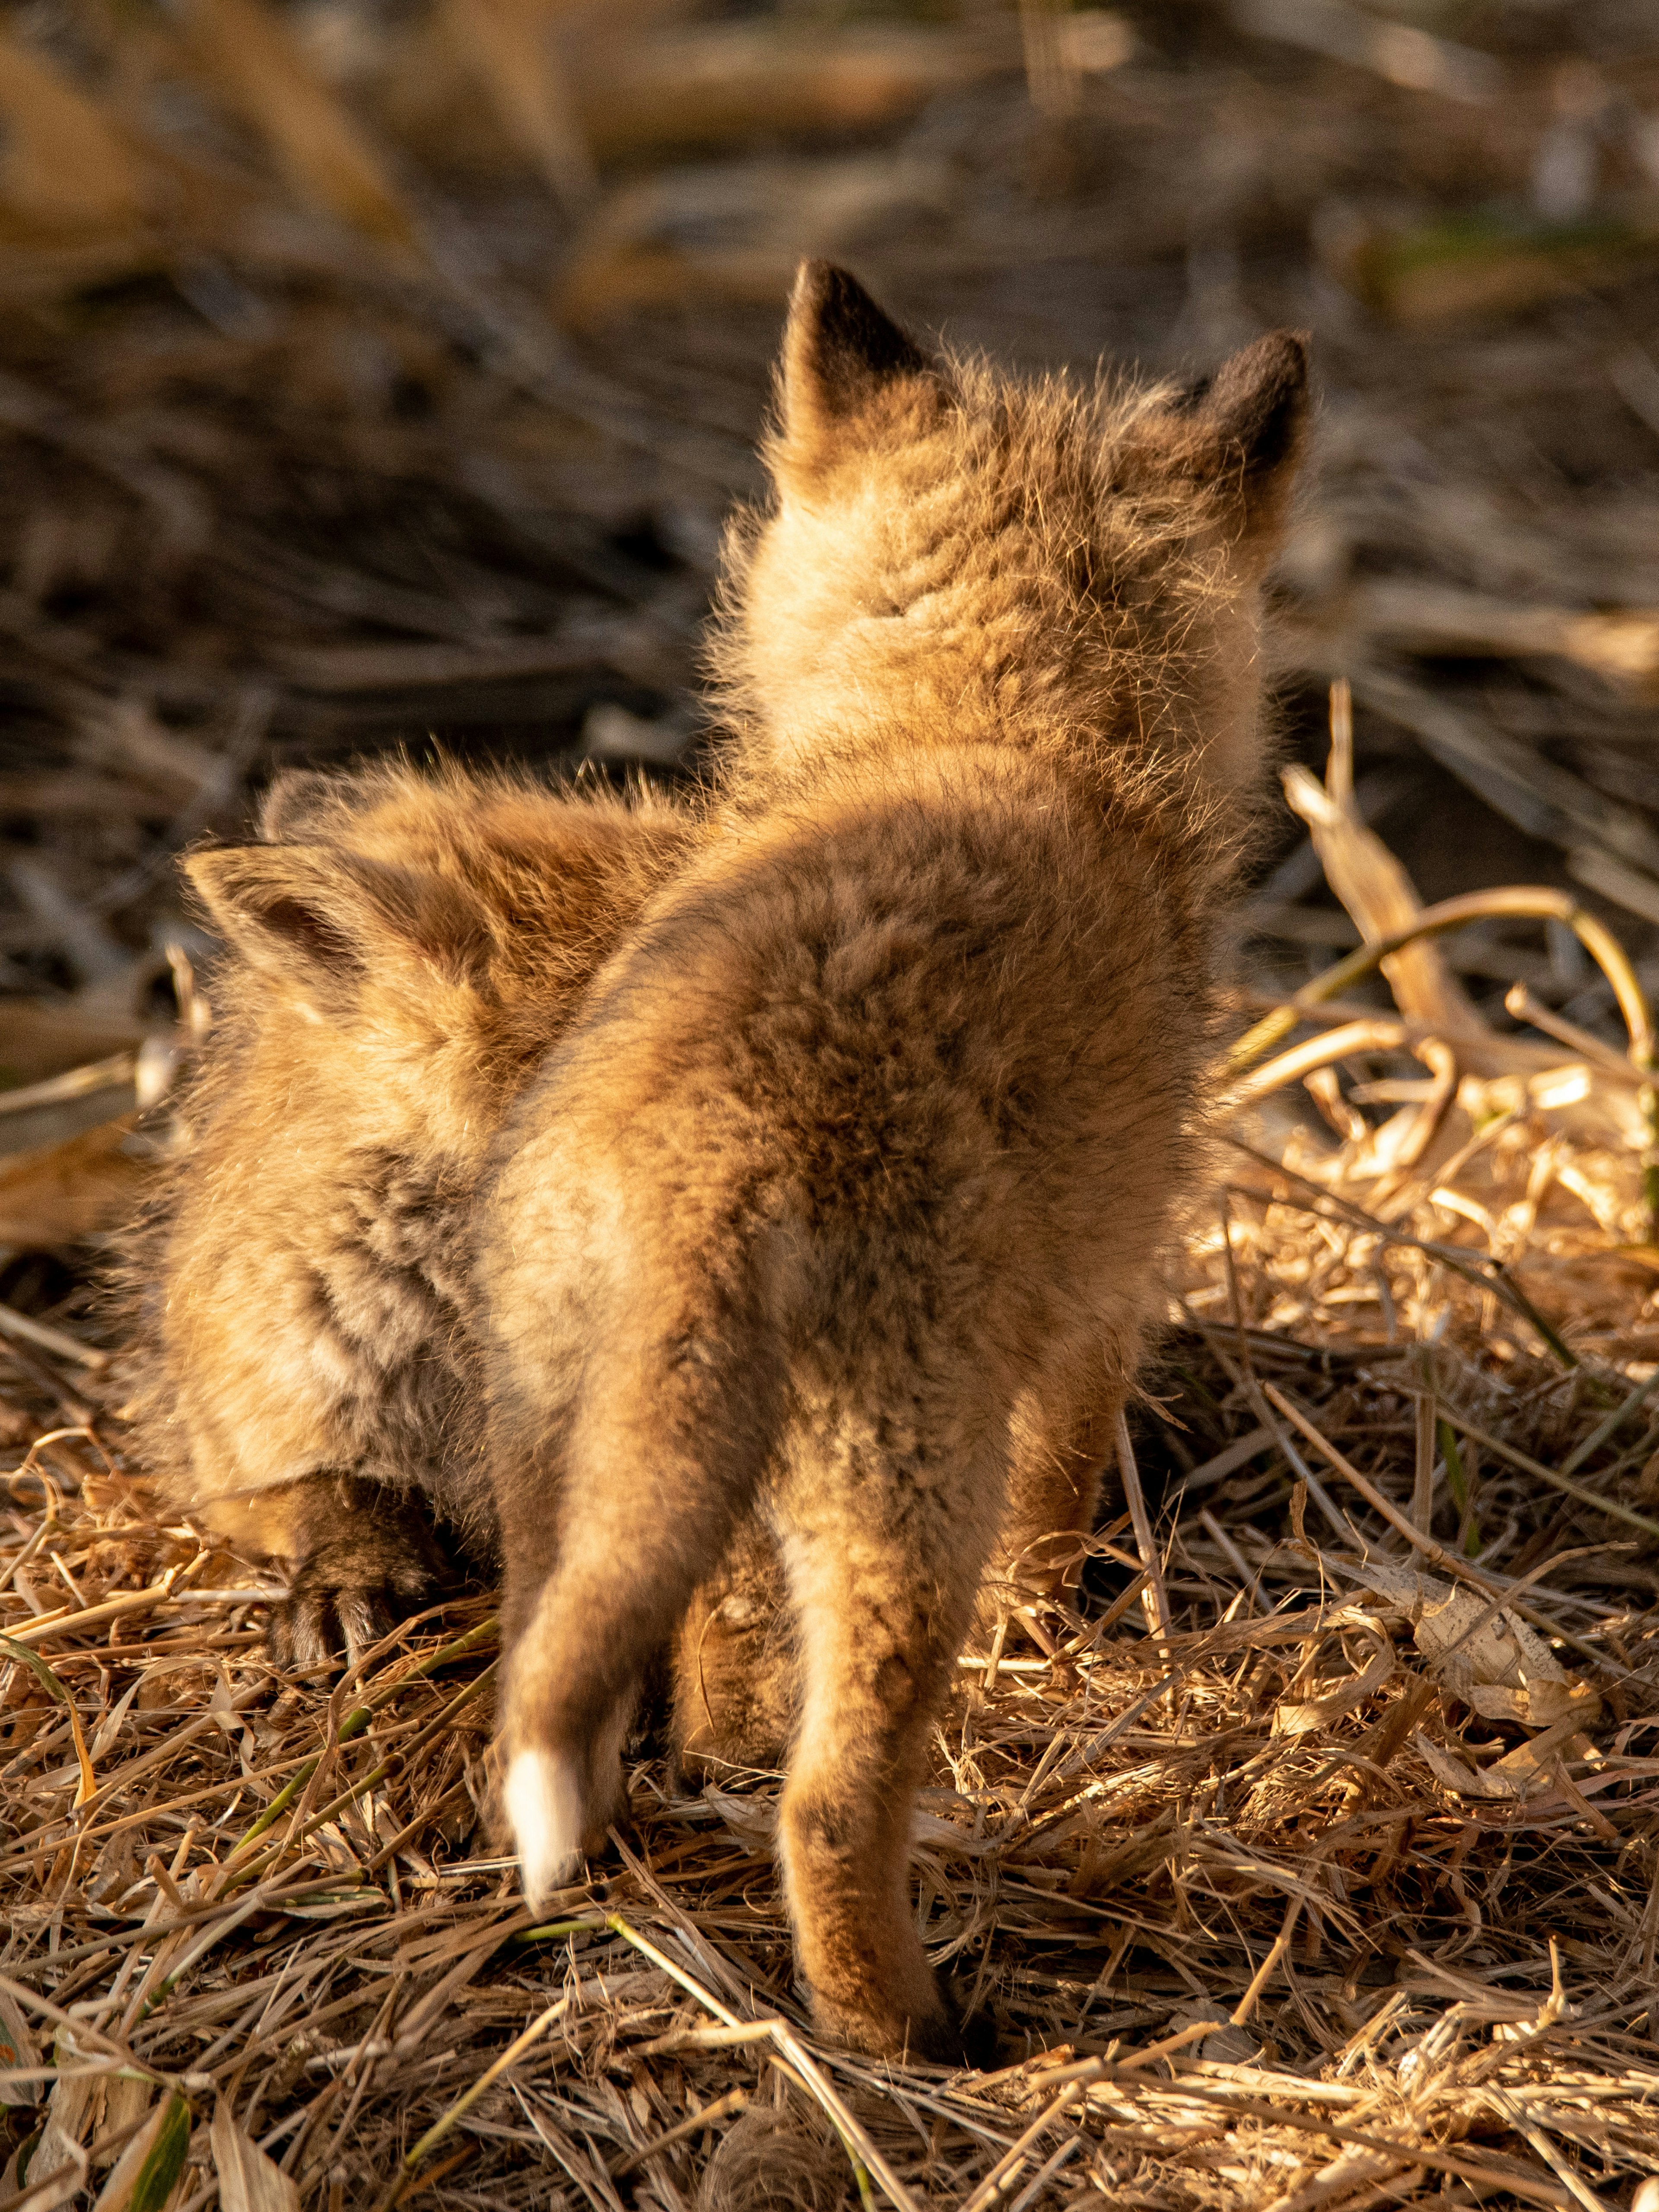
835	1212
402	950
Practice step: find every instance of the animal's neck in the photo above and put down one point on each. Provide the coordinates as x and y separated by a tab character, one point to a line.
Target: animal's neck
896	685
1105	723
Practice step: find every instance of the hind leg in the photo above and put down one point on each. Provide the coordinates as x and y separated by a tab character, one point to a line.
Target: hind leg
736	1670
882	1605
1059	1446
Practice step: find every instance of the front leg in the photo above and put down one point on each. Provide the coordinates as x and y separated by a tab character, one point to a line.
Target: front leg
359	1557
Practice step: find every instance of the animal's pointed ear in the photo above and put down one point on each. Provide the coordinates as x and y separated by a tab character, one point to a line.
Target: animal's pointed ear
1241	431
848	371
326	920
296	803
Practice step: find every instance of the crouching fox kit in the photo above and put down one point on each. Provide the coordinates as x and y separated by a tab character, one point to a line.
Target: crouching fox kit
837	1207
400	951
750	1208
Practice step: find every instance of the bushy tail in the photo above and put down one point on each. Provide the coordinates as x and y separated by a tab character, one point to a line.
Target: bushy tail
631	1504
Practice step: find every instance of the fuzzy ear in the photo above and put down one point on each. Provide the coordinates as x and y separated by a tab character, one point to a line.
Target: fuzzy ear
846	366
295	803
327	920
1241	431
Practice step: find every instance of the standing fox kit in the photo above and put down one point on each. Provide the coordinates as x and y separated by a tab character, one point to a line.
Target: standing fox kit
837	1206
751	1209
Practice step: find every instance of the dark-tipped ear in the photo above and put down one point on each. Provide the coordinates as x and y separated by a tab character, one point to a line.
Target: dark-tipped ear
1258	412
1241	431
326	919
296	803
846	367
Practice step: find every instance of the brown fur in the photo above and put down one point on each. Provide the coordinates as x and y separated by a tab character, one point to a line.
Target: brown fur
402	949
836	1213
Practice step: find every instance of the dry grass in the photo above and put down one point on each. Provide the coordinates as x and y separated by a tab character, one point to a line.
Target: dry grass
1316	1867
1290	1877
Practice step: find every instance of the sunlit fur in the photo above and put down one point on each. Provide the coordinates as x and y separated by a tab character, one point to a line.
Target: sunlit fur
1017	561
840	1204
402	949
818	1253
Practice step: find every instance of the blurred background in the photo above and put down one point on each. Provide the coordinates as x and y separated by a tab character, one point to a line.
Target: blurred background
378	372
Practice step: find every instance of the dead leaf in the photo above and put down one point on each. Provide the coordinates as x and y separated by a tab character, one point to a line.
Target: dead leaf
69	2110
122	2103
1529	1763
249	2181
1502	1653
145	2176
1465	1781
1342	1698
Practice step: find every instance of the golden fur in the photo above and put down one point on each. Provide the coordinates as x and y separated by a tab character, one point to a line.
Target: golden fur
785	1172
834	1217
401	951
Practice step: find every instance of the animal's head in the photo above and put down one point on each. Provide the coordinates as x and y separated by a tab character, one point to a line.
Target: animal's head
1022	556
423	938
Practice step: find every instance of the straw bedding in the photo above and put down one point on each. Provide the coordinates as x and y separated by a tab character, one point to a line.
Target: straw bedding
1306	1858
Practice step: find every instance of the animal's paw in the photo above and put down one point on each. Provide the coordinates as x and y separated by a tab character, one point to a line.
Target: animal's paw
900	2009
365	1559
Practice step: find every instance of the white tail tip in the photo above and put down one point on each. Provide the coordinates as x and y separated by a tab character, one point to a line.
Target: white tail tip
545	1806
